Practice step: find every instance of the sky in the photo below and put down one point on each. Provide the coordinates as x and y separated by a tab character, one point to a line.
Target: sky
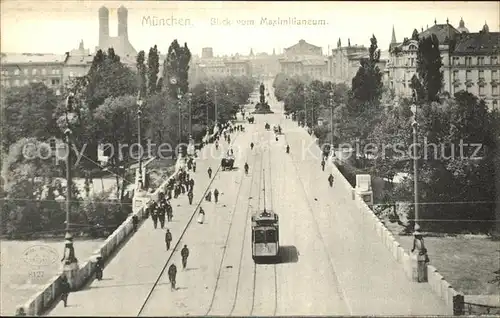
58	26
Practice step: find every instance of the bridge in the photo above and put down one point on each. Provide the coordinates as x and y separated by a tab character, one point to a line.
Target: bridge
332	260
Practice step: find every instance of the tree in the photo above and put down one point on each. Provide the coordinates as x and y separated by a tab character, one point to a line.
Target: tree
367	83
28	111
153	69
116	122
429	67
108	77
414	35
177	66
141	73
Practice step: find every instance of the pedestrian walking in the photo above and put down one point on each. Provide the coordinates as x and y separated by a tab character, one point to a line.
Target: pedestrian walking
191	184
208	197
323	164
246	168
190	196
330	180
216	195
170	212
99	267
161	212
201	216
172	273
209	172
287	148
168	239
184	255
154	213
135	222
251	146
65	290
194	166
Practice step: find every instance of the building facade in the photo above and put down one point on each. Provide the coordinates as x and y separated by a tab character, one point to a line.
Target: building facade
304	59
77	63
120	43
225	66
22	69
470	61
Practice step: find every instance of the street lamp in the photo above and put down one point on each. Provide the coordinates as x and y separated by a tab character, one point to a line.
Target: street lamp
215	102
331	119
414	125
139	141
305	105
190	96
68	120
207	93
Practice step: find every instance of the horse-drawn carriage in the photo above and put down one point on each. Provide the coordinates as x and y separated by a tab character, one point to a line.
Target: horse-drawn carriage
250	119
227	163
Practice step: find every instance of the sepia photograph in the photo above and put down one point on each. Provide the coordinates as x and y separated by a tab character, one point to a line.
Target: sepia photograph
249	158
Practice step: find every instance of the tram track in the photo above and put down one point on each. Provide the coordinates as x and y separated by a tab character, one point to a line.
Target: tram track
320	236
224	255
265	272
181	236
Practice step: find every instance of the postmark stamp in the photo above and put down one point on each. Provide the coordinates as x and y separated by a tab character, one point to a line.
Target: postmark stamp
40	255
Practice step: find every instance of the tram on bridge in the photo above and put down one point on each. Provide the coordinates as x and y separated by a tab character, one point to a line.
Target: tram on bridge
265	236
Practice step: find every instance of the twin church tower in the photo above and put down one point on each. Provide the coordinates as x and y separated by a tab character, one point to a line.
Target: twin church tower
120	43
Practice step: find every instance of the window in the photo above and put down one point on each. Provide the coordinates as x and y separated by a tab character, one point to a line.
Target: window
53	72
468	75
480	60
25	71
456	89
71	74
494	60
456	61
44	71
412	62
494	90
33	71
26	82
494	75
260	236
481	74
455	75
468	61
16	71
481	90
17	83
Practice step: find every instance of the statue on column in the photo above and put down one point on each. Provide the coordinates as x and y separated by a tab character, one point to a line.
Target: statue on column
262	107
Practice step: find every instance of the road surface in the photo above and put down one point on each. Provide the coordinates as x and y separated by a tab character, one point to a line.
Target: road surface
331	263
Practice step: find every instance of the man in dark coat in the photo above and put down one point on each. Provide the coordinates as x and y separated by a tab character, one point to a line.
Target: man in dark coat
172	273
216	195
65	290
330	180
190	196
153	208
323	164
168	239
194	166
184	255
209	172
161	212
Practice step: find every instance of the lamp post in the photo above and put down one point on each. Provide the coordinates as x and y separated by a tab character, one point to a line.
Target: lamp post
179	96
190	96
70	117
139	141
331	120
215	102
207	93
414	125
305	106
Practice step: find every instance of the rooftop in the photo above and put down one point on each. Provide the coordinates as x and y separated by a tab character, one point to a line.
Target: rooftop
443	32
478	43
32	58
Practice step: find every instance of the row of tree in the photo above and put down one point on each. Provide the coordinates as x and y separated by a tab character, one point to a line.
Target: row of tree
456	189
107	110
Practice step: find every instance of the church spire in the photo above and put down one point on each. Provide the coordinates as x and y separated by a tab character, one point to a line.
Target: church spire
393	39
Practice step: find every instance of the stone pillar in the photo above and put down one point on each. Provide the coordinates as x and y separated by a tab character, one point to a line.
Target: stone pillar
70	262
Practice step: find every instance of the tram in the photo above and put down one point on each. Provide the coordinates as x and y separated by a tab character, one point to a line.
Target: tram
265	236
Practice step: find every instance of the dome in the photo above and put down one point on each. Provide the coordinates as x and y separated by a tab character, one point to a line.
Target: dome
122	9
461	27
103	10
